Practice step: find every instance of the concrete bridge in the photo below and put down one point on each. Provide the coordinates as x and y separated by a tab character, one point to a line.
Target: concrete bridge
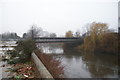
57	39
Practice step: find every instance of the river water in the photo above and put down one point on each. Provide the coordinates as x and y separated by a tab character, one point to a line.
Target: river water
80	65
83	65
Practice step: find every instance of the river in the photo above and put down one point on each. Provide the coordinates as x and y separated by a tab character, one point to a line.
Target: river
83	65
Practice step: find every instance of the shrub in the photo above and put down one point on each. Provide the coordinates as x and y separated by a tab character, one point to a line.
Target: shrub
22	52
51	64
27	47
14	61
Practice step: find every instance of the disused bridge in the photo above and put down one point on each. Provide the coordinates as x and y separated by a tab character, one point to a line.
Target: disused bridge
57	39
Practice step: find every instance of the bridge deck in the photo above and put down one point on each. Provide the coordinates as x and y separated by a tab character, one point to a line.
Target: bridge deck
56	39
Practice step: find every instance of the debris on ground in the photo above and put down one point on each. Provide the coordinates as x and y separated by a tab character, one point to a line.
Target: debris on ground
23	70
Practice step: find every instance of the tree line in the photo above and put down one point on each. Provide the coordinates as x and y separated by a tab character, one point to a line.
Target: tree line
9	36
97	38
34	31
100	39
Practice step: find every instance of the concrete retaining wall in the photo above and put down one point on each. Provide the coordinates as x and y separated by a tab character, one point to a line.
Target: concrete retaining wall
41	68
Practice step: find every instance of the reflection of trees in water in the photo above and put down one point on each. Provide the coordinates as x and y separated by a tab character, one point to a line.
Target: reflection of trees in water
100	65
99	71
50	47
71	51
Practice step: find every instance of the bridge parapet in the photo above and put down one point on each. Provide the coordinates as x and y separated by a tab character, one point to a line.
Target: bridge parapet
56	39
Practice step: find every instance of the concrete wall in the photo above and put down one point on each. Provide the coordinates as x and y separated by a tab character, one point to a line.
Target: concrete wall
41	68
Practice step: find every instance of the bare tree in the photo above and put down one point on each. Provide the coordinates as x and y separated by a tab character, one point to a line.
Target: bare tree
85	30
77	33
34	32
53	35
9	35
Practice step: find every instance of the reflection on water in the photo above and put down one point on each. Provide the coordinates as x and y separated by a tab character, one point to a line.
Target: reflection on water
51	48
83	65
101	65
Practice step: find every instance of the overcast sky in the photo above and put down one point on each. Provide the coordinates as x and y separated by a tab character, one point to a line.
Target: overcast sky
56	16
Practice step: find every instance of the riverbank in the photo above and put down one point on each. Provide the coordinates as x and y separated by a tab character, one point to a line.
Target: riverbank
52	65
19	71
24	71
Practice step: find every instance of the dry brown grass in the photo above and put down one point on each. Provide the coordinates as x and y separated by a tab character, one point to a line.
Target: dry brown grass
51	64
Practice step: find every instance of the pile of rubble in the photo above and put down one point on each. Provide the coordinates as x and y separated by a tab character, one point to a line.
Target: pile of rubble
23	71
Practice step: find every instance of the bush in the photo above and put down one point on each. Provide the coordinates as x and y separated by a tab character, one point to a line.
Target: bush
26	47
12	53
51	64
22	52
14	61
